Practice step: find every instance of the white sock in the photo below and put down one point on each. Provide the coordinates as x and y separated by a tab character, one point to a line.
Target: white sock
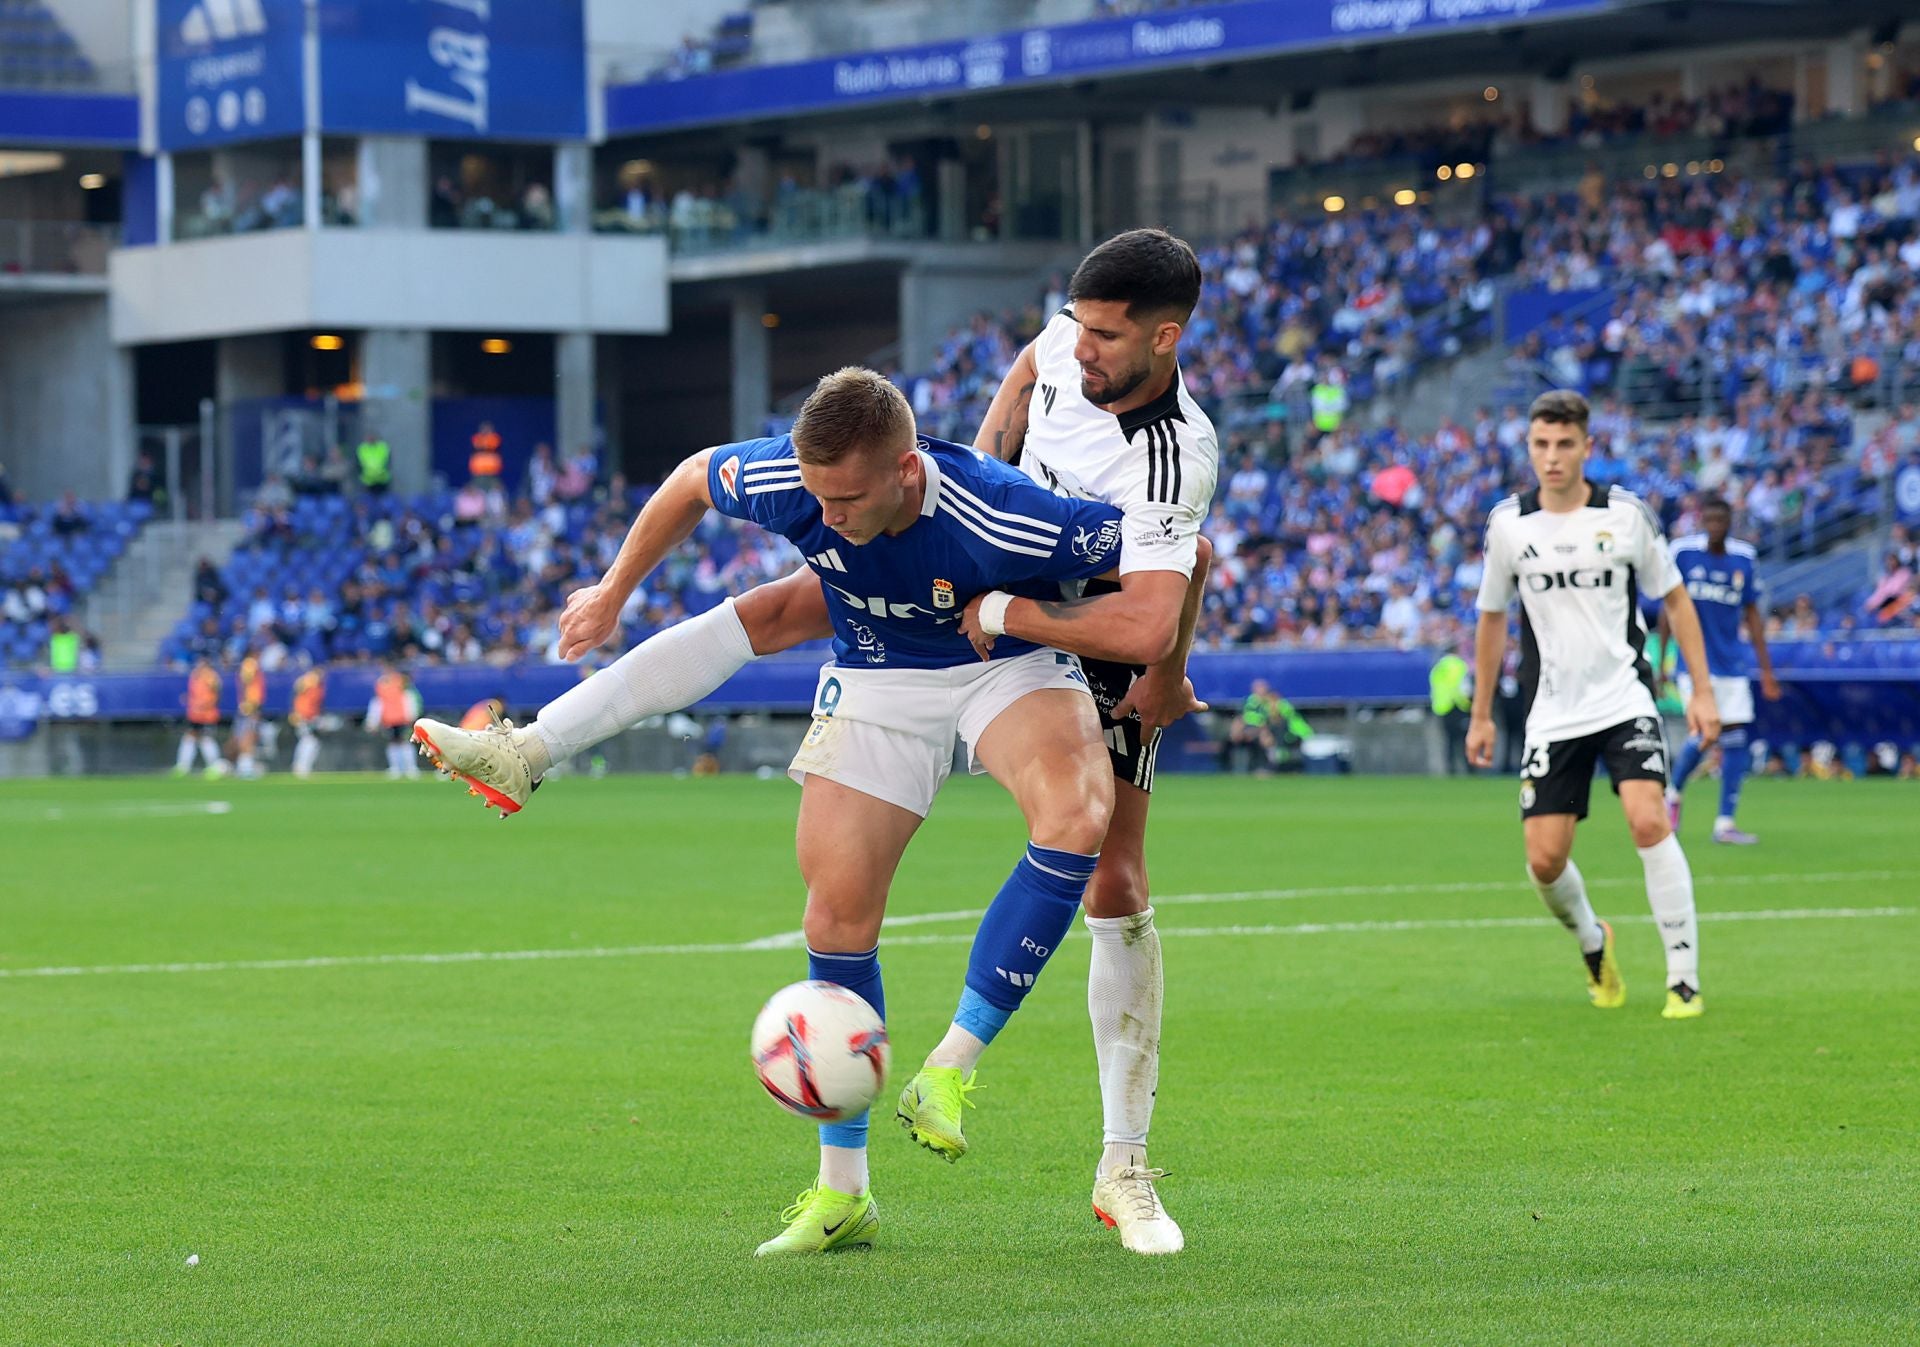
1670	895
247	764
304	752
210	751
1125	988
960	1048
1566	898
669	671
184	758
1122	1155
396	762
844	1169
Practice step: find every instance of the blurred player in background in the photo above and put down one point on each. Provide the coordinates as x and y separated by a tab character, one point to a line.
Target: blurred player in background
309	703
203	717
1576	554
252	697
394	707
1094	408
1722	577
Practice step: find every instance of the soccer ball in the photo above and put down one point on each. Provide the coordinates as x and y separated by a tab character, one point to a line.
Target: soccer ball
820	1051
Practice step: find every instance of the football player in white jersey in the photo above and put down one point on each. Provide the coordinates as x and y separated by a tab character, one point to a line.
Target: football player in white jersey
1094	407
1577	555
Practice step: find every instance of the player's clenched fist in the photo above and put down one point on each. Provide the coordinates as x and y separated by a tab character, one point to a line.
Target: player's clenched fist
591	617
1703	716
971	629
1480	737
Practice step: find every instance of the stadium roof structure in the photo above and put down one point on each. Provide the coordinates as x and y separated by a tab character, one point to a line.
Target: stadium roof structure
1546	42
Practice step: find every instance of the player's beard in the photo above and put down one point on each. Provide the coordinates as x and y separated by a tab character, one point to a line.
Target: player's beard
1113	390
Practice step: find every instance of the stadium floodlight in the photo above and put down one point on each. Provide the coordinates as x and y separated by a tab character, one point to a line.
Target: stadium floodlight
496	346
92	182
1406	196
1443	172
327	341
1463	171
1335	204
1491	93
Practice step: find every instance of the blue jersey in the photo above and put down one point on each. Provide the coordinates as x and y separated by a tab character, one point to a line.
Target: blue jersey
1721	586
896	601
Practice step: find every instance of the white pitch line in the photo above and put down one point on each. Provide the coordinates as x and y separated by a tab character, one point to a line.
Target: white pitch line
788	941
152	809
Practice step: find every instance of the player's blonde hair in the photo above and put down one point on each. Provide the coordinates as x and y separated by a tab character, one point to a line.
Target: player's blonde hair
848	410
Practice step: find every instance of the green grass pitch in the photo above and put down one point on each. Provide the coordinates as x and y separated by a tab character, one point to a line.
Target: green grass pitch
1390	1114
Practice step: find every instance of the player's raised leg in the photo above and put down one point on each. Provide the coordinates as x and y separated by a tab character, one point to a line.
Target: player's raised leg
1045	748
1549	842
1125	995
849	846
667	672
1669	894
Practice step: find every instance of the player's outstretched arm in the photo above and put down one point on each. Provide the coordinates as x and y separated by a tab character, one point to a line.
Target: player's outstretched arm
668	519
1489	648
1139	625
1762	657
1005	428
1703	713
1163	693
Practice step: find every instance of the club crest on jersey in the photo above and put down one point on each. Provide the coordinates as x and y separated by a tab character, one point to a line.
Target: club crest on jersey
943	593
730	476
1603	542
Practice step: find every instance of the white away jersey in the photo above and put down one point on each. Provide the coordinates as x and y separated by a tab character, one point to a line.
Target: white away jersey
1157	463
1579	576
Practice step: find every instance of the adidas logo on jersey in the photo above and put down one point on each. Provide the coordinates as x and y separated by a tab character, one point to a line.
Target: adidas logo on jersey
1531	554
1047	394
828	560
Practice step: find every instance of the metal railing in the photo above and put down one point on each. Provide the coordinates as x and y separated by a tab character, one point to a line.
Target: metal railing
55	247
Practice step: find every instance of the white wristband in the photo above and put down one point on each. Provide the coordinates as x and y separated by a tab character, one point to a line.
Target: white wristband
993	613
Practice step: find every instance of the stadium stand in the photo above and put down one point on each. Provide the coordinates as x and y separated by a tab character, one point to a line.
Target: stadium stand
36	51
51	557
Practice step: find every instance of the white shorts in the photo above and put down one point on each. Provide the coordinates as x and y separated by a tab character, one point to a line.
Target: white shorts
1734	696
890	733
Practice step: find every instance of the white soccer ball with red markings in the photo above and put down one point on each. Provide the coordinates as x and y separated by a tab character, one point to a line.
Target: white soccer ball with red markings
820	1050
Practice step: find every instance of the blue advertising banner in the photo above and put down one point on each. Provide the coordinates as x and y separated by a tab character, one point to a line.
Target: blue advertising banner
29	118
465	69
229	71
1050	55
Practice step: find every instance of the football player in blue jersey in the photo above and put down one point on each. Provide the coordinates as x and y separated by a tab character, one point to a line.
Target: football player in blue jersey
1722	576
903	533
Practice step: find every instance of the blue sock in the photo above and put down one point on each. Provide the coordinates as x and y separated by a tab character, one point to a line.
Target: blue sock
1024	924
859	974
1683	766
1733	768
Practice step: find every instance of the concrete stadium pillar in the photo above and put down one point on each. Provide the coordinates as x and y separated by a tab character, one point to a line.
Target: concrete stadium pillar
573	187
396	366
1846	95
1548	105
575	390
393	184
751	345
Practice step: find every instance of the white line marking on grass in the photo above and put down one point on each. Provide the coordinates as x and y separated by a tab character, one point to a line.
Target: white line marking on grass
791	940
151	809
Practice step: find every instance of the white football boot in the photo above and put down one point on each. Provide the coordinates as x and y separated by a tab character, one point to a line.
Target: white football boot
1124	1199
488	760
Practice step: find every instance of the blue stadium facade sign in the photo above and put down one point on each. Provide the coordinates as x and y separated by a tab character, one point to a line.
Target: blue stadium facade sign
235	70
229	71
1045	55
475	69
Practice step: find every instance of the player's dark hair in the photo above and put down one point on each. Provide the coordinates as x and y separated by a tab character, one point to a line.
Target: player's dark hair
1561	407
1713	501
1148	270
851	409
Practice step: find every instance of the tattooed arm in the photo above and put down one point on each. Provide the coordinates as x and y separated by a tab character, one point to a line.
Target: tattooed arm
1005	429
